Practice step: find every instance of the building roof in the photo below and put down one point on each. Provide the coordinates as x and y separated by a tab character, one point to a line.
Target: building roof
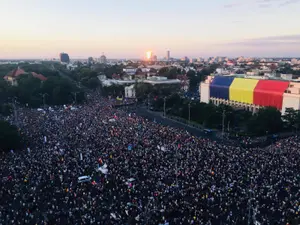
16	72
39	76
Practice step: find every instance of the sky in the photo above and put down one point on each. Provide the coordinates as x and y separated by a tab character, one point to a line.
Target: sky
127	29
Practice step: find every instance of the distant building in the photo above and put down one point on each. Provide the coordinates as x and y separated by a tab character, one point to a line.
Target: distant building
286	76
130	70
200	59
12	76
168	56
103	59
295	61
230	63
130	91
72	66
64	57
154	58
185	59
250	94
193	60
90	60
39	76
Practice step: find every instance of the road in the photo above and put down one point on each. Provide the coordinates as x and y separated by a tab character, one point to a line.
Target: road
156	116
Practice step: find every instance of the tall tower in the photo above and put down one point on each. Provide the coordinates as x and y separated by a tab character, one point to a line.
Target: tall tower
168	55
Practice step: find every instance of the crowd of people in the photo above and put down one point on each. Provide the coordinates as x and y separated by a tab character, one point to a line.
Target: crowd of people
154	174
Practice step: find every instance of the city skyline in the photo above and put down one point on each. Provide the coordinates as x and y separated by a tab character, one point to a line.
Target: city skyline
43	29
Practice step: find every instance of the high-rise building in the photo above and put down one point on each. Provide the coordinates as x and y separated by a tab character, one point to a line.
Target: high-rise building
168	55
103	59
64	57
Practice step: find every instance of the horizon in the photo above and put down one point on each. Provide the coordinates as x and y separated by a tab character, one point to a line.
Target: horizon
127	30
140	59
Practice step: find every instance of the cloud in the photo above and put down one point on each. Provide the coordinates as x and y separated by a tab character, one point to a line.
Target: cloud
275	46
265	5
232	5
261	3
295	37
289	2
287	40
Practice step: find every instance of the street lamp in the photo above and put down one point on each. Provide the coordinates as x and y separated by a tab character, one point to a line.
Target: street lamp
75	94
189	112
14	101
44	98
223	122
148	101
165	106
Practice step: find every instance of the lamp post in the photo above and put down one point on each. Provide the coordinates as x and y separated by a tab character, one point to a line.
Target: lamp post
189	112
148	104
75	95
44	99
165	106
223	122
14	101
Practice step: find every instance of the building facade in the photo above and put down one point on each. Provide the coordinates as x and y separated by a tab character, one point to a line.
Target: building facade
130	91
103	59
168	56
250	94
64	57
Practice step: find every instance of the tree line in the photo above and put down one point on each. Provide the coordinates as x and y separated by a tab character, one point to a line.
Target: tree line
265	121
32	92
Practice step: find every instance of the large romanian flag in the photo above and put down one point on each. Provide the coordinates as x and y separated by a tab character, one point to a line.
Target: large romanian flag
250	91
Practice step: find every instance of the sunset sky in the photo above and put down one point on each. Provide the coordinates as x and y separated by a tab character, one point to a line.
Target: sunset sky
127	29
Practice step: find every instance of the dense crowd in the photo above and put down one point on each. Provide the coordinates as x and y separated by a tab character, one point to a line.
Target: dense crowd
156	174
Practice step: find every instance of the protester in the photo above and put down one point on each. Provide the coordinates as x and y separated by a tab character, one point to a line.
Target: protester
141	173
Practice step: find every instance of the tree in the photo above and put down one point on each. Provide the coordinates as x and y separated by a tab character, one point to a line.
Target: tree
28	90
59	91
113	90
211	117
172	74
6	109
286	69
9	137
142	90
292	118
191	73
115	69
46	69
93	83
6	68
138	71
266	121
163	71
152	70
4	90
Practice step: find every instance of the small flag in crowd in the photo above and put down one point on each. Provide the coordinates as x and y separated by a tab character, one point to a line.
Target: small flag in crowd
103	169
